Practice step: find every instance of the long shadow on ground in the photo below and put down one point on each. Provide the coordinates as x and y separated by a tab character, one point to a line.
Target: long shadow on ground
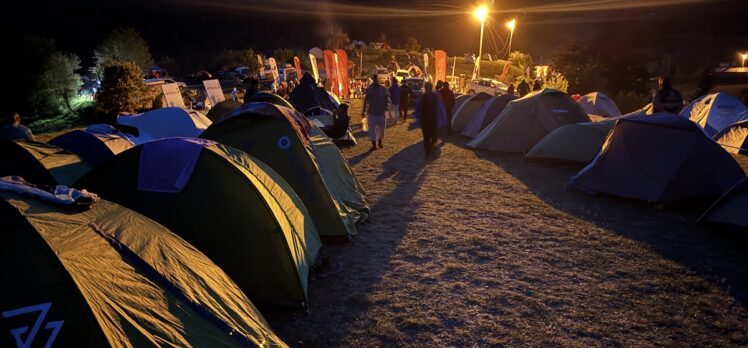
367	259
716	254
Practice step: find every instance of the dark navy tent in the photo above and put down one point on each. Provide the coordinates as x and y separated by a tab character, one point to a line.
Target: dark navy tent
307	95
660	158
96	144
267	97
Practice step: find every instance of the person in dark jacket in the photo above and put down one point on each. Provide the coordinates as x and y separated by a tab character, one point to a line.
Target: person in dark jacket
340	123
428	105
448	98
15	130
537	86
523	88
405	93
667	99
510	89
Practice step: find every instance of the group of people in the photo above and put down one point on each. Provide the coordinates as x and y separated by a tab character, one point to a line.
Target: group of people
389	106
523	88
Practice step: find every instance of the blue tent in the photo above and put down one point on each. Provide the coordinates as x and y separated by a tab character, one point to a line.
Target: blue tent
96	144
660	158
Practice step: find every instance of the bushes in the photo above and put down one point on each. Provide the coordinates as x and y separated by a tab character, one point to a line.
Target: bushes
122	90
630	101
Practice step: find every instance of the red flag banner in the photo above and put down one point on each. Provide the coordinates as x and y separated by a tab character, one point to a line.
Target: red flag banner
343	72
440	64
297	63
330	75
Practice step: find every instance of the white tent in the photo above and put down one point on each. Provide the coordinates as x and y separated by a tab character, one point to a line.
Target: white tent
166	123
715	112
599	104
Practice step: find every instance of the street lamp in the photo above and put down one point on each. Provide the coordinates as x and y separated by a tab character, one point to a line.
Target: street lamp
744	56
480	14
511	25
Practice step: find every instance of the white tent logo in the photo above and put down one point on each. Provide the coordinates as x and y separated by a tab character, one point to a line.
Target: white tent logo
18	333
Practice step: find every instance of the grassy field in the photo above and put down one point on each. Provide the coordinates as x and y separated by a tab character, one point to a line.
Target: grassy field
477	249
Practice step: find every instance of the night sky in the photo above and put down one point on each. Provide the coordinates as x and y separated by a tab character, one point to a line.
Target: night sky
188	29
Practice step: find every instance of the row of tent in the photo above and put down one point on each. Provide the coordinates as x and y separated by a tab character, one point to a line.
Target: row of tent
201	218
656	157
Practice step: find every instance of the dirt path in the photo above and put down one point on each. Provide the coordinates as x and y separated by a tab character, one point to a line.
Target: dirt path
481	249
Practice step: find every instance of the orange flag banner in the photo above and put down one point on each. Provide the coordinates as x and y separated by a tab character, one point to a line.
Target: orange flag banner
440	64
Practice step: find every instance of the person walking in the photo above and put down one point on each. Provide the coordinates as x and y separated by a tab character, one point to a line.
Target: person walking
510	89
523	88
394	110
537	86
427	114
405	93
667	99
15	130
376	98
448	98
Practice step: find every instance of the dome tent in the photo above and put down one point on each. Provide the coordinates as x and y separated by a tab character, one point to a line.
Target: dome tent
526	120
39	163
235	209
715	112
307	95
108	276
734	138
266	97
686	165
270	133
599	104
486	114
466	110
576	142
730	208
217	111
166	123
96	144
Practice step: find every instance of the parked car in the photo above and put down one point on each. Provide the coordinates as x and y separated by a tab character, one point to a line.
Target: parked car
484	85
402	74
382	75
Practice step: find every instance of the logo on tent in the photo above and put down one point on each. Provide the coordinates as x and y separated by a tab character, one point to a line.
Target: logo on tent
284	142
43	310
563	111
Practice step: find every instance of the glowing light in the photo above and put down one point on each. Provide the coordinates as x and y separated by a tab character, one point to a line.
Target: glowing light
744	56
481	13
511	24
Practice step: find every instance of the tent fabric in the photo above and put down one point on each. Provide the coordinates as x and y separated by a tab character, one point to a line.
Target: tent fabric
486	114
659	158
577	142
39	163
459	100
307	95
301	124
597	103
527	120
264	132
108	276
236	210
217	111
730	208
266	97
734	139
715	112
167	165
467	109
95	144
167	123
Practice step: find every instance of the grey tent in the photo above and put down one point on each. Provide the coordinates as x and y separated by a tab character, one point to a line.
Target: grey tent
599	104
527	120
486	114
108	276
96	144
576	142
730	208
462	114
40	163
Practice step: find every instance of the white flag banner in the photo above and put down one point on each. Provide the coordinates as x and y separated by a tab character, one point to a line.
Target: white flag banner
259	60
273	68
173	95
426	65
214	91
315	72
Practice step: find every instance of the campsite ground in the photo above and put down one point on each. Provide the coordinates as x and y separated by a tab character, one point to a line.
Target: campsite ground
483	249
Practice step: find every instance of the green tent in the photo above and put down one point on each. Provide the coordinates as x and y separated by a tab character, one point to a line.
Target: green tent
109	276
40	163
466	110
216	112
576	142
274	136
526	120
230	206
730	208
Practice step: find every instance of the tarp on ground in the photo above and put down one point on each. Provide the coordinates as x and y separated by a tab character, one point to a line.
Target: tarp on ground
108	276
486	114
270	134
659	158
166	123
463	113
577	142
715	112
597	103
527	120
96	144
232	207
39	163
